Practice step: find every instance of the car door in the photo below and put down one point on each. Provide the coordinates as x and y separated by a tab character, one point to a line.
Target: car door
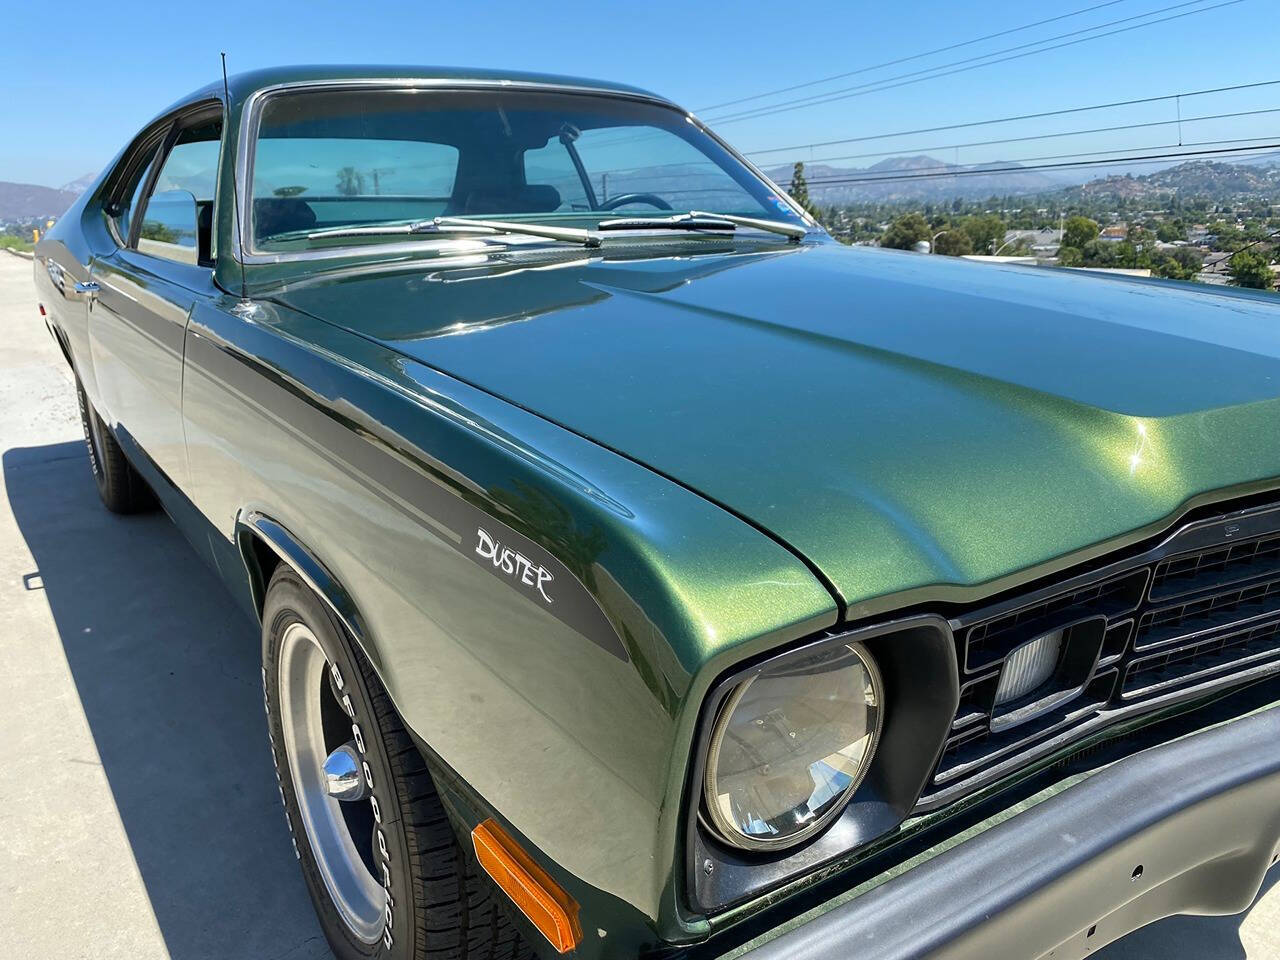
146	289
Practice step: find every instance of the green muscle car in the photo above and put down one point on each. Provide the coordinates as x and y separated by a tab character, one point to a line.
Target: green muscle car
640	572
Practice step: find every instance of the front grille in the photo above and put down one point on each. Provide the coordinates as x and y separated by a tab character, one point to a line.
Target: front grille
1196	613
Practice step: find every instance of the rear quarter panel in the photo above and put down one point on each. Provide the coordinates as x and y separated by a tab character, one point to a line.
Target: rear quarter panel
380	466
62	259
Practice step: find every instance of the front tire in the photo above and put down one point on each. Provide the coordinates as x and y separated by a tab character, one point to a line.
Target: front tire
385	871
120	486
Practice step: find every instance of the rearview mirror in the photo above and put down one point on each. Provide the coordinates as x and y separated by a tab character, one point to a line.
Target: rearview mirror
170	227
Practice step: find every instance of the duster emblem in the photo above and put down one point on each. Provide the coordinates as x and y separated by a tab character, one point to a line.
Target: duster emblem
514	564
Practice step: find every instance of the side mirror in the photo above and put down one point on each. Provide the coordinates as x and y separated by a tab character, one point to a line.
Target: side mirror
170	227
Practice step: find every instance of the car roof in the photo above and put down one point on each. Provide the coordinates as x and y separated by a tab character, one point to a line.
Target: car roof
244	85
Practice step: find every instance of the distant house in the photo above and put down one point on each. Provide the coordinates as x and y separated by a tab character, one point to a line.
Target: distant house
1043	242
1116	231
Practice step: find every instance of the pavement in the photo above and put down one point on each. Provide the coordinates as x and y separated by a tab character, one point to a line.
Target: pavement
141	818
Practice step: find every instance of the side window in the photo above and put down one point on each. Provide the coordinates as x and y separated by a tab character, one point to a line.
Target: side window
124	219
186	182
551	165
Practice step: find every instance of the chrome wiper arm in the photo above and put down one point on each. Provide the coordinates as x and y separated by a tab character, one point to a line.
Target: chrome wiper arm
462	225
393	230
788	230
566	234
679	221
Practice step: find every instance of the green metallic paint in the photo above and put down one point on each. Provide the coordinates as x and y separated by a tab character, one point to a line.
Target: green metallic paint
1056	411
729	443
347	445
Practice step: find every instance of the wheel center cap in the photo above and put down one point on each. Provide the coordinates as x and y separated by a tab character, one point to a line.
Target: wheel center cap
342	774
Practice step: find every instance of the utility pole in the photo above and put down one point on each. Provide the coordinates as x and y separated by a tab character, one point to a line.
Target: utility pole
378	171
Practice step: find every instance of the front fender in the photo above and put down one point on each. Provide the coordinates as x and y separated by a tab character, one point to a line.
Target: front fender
545	614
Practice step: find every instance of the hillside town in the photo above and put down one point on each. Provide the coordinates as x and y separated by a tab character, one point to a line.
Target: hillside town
1207	222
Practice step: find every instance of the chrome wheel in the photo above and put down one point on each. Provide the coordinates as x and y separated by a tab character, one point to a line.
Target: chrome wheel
327	778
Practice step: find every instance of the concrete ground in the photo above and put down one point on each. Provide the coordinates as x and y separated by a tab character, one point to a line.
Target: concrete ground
141	818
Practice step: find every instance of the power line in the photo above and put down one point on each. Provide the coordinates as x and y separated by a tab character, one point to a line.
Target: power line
1214	263
1053	136
711	167
1219	148
1023	139
888	84
1116	161
1024	116
947	170
916	56
903	80
940	70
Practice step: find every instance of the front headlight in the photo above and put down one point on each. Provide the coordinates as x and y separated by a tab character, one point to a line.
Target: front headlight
791	745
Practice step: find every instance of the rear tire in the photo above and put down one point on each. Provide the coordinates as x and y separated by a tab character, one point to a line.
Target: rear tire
120	486
436	903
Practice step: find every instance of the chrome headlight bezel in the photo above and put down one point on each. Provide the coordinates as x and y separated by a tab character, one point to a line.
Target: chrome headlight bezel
726	831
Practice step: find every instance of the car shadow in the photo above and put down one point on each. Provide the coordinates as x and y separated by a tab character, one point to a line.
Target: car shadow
167	670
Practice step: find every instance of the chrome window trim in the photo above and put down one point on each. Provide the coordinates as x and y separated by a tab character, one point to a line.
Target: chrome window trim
251	116
161	146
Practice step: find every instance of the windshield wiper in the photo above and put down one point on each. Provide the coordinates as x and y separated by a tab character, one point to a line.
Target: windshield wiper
694	220
701	220
789	230
681	221
463	225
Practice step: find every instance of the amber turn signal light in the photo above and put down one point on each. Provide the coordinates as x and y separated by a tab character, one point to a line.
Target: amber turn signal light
539	897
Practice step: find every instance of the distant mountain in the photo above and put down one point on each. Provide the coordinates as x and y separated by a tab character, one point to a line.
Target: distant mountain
1262	160
924	178
80	184
25	200
1197	178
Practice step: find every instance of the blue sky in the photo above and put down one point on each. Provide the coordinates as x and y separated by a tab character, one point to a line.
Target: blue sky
99	70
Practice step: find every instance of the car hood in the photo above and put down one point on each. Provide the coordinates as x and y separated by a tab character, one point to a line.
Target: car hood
905	422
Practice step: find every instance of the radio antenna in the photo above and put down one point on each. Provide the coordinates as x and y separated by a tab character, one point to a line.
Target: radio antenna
235	190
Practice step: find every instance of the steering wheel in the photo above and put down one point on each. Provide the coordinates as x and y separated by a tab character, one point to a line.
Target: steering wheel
652	199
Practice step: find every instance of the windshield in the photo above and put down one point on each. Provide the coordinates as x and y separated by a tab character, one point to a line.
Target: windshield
347	158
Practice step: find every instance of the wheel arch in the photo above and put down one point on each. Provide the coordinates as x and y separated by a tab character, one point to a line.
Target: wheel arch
264	543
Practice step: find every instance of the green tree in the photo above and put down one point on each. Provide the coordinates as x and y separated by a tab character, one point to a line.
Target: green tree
1070	257
1249	268
1182	263
155	230
799	191
986	232
1229	237
1170	231
905	232
953	242
1079	232
350	182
